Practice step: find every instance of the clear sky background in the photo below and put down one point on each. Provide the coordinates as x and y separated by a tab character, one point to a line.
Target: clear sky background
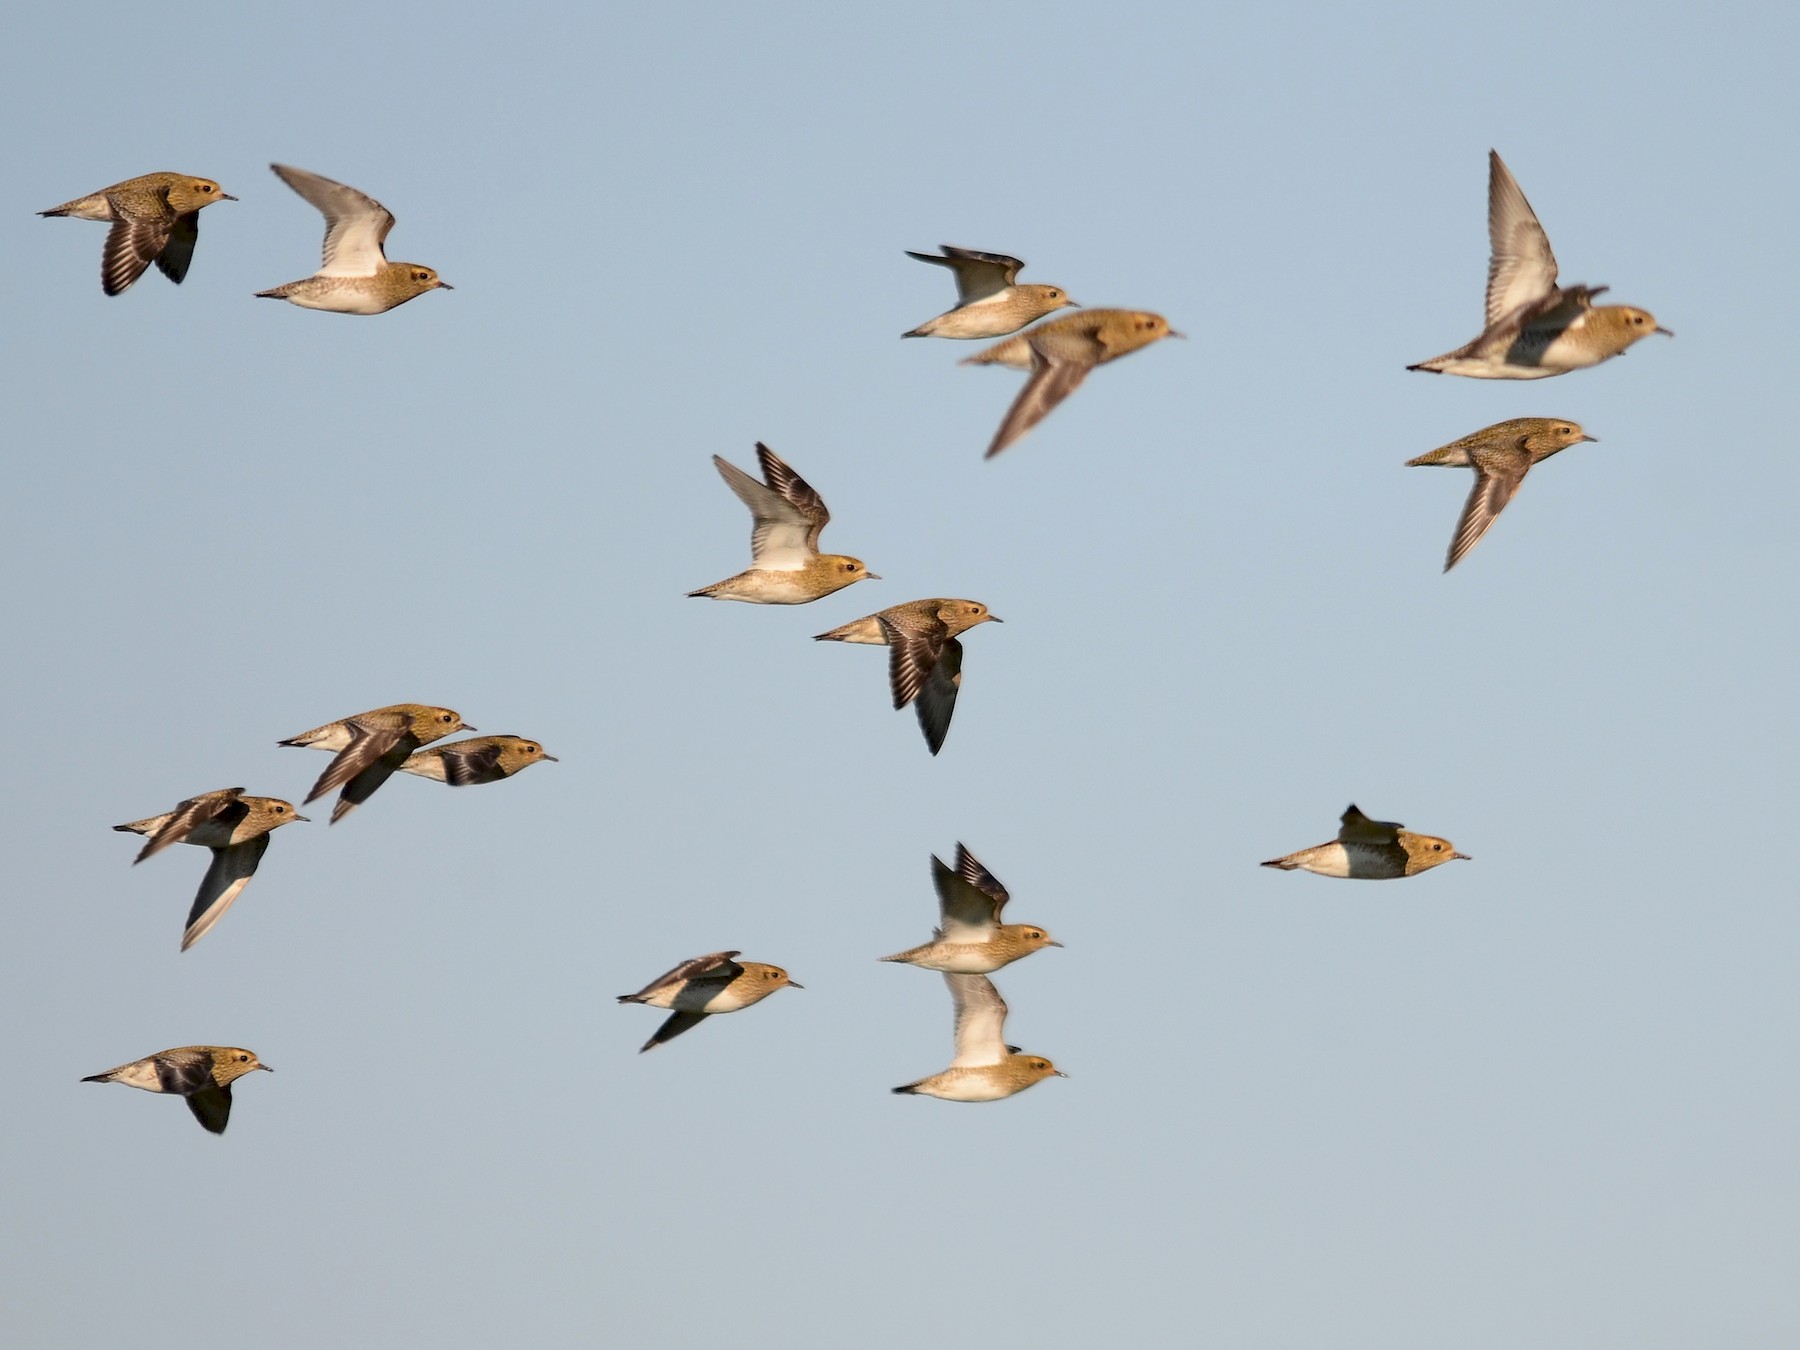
1544	1098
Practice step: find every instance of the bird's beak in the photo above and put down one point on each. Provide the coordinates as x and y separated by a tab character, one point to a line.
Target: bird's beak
265	1068
298	816
1173	333
1465	857
1664	331
871	576
466	727
446	286
552	758
1061	1074
1053	943
1594	439
995	618
226	197
1071	302
795	984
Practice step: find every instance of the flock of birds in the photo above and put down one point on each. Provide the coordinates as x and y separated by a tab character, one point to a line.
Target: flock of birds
1533	329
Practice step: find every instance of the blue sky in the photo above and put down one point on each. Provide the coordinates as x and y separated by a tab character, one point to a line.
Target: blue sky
1544	1097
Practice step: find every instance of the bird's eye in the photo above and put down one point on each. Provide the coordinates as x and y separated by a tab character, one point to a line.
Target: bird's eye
243	1059
280	810
1437	848
444	718
1638	319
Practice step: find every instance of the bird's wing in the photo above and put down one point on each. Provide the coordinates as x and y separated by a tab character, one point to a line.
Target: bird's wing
1355	827
184	1070
912	653
133	243
722	965
1497	478
780	531
231	870
464	766
978	274
980	1021
355	223
1055	374
211	1107
173	261
968	912
372	736
937	696
184	819
1521	267
672	1026
796	492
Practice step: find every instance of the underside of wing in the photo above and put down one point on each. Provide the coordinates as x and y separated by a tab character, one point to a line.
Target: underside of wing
1521	267
355	223
1053	378
980	1021
779	532
212	1107
1355	827
178	253
224	881
937	696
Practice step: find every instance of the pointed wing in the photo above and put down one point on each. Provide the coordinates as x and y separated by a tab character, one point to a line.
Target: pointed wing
133	243
1055	375
912	653
183	1071
1355	827
672	1026
211	1107
184	819
373	736
980	1021
173	261
1521	267
781	535
475	764
796	492
969	910
937	697
722	965
1497	478
231	870
355	223
978	274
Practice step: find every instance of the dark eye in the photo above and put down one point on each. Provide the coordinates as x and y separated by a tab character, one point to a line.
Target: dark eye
280	809
243	1059
1437	848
